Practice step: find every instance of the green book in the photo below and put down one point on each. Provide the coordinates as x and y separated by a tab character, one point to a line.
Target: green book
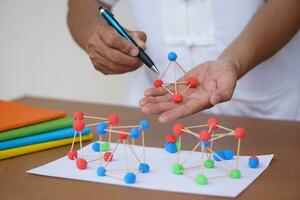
36	128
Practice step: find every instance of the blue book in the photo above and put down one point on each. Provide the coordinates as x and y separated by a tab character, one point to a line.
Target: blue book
44	137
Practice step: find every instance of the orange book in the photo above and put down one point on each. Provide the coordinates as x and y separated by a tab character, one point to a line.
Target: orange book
15	115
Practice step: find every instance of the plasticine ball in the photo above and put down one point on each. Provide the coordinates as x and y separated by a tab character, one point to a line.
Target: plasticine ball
144	125
240	133
108	156
209	164
228	154
201	180
178	169
204	136
102	128
235	174
78	125
144	168
104	146
205	144
134	133
220	155
213	123
172	56
113	119
157	83
171	147
253	162
81	163
170	138
96	147
72	155
178	146
122	136
193	82
177	129
177	98
129	178
101	171
78	115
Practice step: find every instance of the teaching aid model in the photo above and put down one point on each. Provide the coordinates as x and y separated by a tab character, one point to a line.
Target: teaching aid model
190	82
209	154
107	127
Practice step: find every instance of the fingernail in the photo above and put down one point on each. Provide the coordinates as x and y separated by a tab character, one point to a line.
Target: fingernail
134	52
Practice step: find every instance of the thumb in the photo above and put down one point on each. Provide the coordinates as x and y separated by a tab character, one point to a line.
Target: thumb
139	37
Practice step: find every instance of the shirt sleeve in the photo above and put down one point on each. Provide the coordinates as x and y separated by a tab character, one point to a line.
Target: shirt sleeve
108	2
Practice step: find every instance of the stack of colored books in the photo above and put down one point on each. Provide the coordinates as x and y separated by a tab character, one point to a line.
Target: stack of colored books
25	129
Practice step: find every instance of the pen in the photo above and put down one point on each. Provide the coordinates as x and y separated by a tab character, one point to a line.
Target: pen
108	16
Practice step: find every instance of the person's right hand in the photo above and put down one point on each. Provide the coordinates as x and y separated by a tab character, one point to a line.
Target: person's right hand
110	53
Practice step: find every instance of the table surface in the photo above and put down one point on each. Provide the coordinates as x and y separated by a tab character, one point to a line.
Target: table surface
280	181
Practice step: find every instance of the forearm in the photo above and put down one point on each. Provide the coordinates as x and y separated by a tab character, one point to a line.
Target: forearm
83	18
268	31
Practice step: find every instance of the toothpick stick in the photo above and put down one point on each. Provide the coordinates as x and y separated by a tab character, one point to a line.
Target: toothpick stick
109	136
131	126
190	153
113	152
185	89
190	132
93	124
179	147
112	176
143	144
100	151
133	152
74	137
92	117
126	158
175	79
180	67
202	154
114	131
166	70
80	140
227	129
197	126
238	153
162	85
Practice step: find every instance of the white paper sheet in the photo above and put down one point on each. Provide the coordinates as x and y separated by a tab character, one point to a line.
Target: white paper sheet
160	177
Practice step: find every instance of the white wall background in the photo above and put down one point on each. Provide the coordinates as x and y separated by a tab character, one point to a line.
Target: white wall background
39	57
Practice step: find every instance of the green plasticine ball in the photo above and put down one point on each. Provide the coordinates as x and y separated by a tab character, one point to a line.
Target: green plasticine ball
104	146
209	164
235	174
177	169
201	180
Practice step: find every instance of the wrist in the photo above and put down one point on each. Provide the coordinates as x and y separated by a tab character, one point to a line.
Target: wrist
234	62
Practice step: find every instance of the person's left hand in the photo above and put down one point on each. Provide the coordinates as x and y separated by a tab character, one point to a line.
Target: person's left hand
217	80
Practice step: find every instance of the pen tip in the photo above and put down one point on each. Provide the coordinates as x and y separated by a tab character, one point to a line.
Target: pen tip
155	70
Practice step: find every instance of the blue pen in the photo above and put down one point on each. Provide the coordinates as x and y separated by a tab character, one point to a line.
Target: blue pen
108	16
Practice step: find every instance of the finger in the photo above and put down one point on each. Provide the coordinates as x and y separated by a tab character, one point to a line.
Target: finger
158	108
139	37
114	40
117	57
158	99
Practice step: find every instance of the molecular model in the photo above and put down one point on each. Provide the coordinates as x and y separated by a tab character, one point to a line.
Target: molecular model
107	127
205	144
191	82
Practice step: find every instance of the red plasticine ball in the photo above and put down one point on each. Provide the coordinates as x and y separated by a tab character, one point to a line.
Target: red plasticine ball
204	135
78	115
177	98
193	82
170	138
72	155
177	129
213	123
113	119
81	163
108	156
157	83
122	136
240	132
78	125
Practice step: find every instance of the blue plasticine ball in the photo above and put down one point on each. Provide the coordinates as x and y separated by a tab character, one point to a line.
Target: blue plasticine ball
228	154
171	147
253	162
101	171
144	168
219	153
101	128
129	178
172	56
96	146
205	144
144	124
134	133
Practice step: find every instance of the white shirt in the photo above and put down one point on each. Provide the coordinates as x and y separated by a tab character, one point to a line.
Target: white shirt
199	30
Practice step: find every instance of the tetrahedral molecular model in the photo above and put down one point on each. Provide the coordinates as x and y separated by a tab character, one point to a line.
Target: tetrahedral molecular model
191	82
205	135
105	128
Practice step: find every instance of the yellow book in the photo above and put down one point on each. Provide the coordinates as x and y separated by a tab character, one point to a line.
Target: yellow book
39	147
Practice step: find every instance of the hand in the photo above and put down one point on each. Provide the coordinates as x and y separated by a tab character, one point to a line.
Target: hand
110	53
217	80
